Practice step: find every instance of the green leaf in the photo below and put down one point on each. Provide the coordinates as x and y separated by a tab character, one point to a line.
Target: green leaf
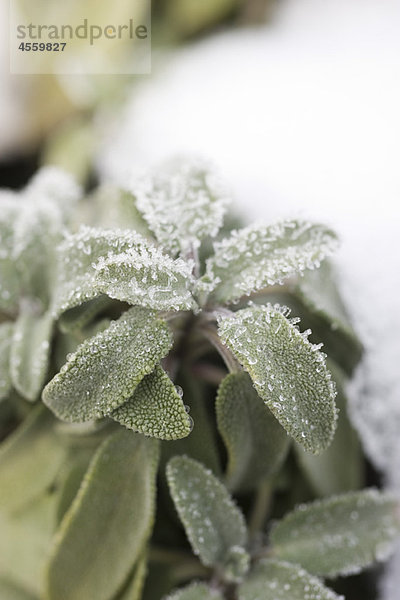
213	523
288	372
79	317
105	370
9	281
341	467
30	352
195	591
256	443
258	256
113	510
125	266
30	460
134	588
155	409
9	591
272	580
24	542
114	207
182	203
6	332
339	535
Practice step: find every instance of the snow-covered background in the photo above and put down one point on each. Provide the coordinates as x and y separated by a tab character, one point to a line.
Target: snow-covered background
303	118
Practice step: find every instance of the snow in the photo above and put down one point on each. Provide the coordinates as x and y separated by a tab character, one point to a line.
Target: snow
302	119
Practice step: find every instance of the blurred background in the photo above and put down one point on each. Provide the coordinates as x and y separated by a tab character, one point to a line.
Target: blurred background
297	103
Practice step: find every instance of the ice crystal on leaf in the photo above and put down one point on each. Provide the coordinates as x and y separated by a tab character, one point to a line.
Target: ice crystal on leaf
182	204
258	256
105	370
288	372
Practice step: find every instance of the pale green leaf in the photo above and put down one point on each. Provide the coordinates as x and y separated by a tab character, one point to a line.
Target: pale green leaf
195	591
30	459
114	512
213	523
133	590
341	467
105	370
288	372
125	266
182	203
116	208
255	442
24	542
9	281
9	591
340	535
6	333
30	352
155	409
273	580
80	316
258	256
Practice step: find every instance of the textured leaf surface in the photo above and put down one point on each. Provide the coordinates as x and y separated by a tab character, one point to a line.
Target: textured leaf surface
113	513
133	590
30	459
105	370
339	535
288	372
256	443
30	352
272	580
214	524
155	409
195	591
258	256
80	316
9	282
122	264
6	332
341	467
182	204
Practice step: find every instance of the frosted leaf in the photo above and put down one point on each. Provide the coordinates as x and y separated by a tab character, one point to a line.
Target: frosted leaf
6	333
255	442
30	352
9	282
114	509
288	372
55	184
328	473
340	535
122	264
195	591
105	370
155	409
258	256
182	203
113	207
81	316
273	580
214	525
143	275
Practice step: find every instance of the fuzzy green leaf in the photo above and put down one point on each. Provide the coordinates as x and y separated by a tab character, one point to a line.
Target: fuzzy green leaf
328	473
340	535
30	459
214	524
256	443
125	266
114	511
81	316
113	207
105	370
155	409
195	591
9	282
30	352
288	372
6	332
258	256
134	588
182	204
272	580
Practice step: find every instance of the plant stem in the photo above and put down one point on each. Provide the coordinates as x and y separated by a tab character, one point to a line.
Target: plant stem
260	508
211	334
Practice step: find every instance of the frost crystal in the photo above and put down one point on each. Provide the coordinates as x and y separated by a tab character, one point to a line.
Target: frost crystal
124	265
182	204
288	372
258	256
